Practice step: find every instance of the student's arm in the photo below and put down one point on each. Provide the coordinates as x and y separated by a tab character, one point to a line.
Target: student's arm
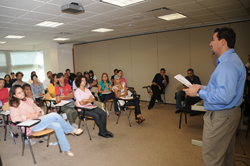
99	89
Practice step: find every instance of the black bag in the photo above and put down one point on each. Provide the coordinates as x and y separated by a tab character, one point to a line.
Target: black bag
39	102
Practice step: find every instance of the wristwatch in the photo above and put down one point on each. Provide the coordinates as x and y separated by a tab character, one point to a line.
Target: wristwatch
197	93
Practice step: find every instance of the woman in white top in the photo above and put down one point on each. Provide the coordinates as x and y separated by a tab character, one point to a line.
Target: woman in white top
84	98
121	90
91	75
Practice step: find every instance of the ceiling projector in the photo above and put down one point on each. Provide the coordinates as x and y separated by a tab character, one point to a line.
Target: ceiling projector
72	8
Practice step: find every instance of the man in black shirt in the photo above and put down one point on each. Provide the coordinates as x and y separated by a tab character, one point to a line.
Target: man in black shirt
180	95
159	84
71	77
112	78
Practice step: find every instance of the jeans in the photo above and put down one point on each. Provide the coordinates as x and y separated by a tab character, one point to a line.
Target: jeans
59	125
135	103
110	96
156	95
71	113
99	117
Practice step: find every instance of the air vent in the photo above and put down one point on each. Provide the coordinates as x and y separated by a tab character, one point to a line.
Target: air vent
160	12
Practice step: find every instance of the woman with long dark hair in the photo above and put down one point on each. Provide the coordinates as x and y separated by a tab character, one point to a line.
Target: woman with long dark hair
22	109
8	82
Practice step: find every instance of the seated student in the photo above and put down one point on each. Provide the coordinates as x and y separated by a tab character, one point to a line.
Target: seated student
120	73
13	77
159	83
31	81
52	86
28	92
72	77
121	90
19	77
22	109
38	90
193	79
64	92
4	93
74	84
91	75
105	86
46	82
8	82
113	76
84	98
91	82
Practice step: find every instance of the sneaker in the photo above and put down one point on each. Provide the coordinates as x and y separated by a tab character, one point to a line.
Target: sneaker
31	142
75	125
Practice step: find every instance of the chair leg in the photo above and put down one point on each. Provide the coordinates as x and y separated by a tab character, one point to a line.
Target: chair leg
5	131
106	109
248	130
79	124
118	117
48	140
148	100
11	133
23	144
87	129
180	120
60	150
111	106
94	126
130	112
186	117
31	151
127	116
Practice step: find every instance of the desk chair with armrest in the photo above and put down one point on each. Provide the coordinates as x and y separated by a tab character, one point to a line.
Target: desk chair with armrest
150	93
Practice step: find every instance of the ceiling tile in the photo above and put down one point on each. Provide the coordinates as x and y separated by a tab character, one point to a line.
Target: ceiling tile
100	7
83	23
16	26
246	4
25	21
49	9
2	24
215	3
225	8
149	21
233	13
63	2
167	3
62	19
22	4
197	12
119	21
100	18
120	13
206	17
186	7
5	11
84	15
143	7
37	16
6	19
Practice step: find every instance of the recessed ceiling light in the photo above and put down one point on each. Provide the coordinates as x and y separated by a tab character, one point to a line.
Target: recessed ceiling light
172	16
102	30
61	39
49	24
122	3
14	37
2	42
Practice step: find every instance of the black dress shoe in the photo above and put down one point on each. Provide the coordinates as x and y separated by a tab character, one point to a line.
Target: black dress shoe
149	108
108	133
178	111
103	135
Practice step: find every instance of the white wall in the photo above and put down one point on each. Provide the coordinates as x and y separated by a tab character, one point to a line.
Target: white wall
65	58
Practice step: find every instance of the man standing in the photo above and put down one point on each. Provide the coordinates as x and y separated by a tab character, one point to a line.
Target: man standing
13	78
193	79
71	77
47	81
222	98
64	92
159	83
19	76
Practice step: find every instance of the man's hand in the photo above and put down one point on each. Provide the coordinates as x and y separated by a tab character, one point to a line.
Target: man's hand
199	86
159	87
191	91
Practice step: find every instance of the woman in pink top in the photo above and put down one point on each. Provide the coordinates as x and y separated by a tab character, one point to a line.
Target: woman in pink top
22	109
120	73
84	98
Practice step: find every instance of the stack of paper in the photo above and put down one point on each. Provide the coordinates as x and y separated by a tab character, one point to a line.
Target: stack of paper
183	80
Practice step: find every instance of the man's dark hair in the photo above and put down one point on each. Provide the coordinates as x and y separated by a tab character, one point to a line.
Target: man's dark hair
115	70
119	71
67	70
19	73
79	80
163	69
48	72
32	72
228	34
1	79
34	75
25	85
190	70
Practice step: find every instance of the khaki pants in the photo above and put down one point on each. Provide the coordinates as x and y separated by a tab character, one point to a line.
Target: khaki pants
71	113
219	137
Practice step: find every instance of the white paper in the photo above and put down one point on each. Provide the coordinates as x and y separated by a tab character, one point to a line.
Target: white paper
183	80
105	93
90	107
53	99
62	103
126	98
28	123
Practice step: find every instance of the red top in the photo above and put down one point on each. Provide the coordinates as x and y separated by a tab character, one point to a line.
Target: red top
66	81
4	94
63	90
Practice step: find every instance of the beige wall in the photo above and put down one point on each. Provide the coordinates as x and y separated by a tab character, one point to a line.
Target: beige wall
141	57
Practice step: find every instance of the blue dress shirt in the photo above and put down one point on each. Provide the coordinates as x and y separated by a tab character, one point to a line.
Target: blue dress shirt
36	90
226	85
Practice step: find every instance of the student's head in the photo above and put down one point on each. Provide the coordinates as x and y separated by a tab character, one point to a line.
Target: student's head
32	73
26	89
78	74
222	40
86	74
7	77
19	75
190	73
105	77
12	75
2	83
53	80
34	78
115	71
91	74
67	71
81	81
162	72
49	74
66	75
117	79
120	73
60	77
16	94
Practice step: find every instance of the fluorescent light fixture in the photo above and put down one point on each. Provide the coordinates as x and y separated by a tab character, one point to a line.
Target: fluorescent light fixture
2	42
14	37
122	3
172	16
61	39
49	24
102	30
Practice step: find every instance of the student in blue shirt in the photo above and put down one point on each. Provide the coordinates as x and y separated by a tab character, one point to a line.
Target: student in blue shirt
222	98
